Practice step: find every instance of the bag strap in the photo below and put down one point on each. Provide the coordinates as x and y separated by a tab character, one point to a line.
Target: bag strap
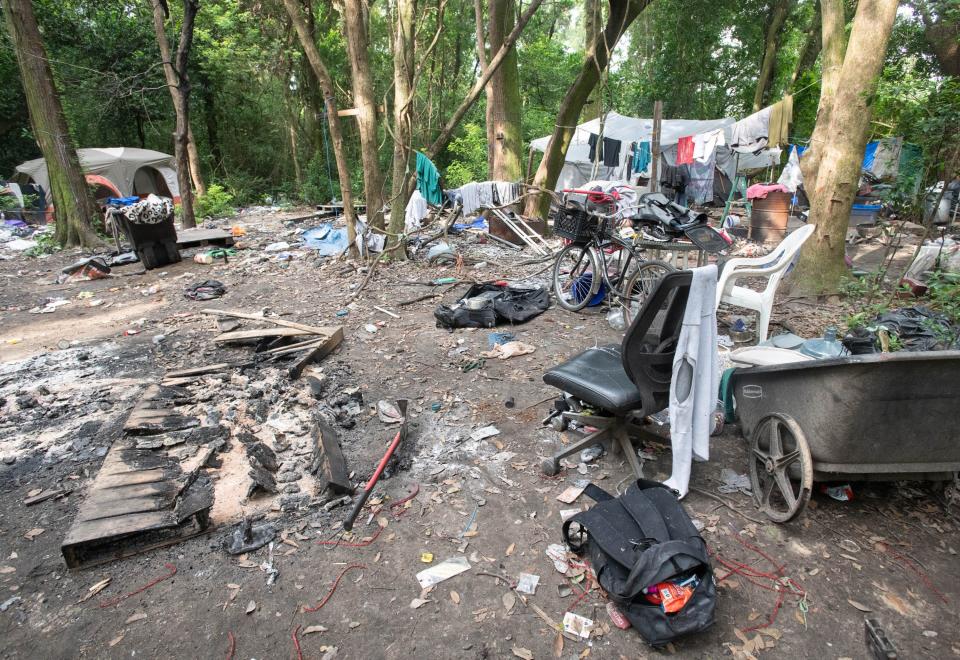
597	494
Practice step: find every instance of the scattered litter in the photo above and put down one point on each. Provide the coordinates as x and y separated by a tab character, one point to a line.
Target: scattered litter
279	246
95	589
50	306
849	546
247	538
484	433
442	571
571	493
616	616
371	328
426	557
527	583
497	338
590	454
388	413
205	290
5	605
509	350
842	493
309	630
733	482
577	625
559	556
251	606
33	533
567	514
93	268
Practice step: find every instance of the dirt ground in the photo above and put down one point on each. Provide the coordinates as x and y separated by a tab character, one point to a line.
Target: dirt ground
69	378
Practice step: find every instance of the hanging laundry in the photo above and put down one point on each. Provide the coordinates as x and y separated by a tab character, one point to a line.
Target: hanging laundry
428	180
886	159
611	152
594	141
705	144
781	116
685	150
791	177
641	157
469	198
700	188
416	211
507	192
751	134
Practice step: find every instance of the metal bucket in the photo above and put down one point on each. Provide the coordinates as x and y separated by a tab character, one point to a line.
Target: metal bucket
769	217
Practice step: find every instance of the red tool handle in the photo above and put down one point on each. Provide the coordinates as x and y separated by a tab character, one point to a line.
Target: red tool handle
348	524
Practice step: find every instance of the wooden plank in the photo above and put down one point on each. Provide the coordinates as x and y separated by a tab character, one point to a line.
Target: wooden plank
326	331
315	355
195	236
45	495
260	333
208	369
328	462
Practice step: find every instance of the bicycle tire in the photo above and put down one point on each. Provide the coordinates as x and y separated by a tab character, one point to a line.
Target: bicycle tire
646	277
574	301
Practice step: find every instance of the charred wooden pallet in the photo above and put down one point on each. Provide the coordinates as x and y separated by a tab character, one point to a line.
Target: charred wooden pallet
140	499
156	411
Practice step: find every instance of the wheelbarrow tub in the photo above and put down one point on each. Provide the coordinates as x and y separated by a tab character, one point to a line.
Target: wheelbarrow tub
888	415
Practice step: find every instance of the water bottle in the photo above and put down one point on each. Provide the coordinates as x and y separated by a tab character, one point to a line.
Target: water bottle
827	347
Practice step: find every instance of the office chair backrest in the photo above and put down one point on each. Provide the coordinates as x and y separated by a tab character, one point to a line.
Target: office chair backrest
651	340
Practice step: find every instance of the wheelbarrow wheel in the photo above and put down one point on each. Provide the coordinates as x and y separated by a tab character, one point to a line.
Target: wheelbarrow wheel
781	468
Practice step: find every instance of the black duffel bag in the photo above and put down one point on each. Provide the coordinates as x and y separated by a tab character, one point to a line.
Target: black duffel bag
641	539
487	305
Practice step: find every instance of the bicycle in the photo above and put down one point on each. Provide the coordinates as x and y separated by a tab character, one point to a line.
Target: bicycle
592	235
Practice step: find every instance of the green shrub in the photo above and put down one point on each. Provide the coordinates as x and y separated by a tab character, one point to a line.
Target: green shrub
217	203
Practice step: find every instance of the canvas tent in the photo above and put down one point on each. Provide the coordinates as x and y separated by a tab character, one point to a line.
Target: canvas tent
117	172
578	168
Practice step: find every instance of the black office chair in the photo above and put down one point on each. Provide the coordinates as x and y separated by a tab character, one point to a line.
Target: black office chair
612	388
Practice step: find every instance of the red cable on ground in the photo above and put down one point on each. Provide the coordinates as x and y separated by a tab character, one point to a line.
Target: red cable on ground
119	599
233	645
404	500
336	583
349	544
296	643
753	575
909	564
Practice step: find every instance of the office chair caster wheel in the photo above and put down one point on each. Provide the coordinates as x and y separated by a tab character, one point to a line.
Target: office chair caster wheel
550	467
559	423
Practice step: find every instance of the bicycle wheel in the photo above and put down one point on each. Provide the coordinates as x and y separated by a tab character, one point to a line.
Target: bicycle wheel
640	285
576	276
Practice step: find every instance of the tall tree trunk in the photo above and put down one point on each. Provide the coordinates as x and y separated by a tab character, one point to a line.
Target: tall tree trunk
822	260
446	134
592	22
210	120
778	16
404	43
73	202
333	119
355	14
178	82
834	44
193	156
809	49
504	133
622	14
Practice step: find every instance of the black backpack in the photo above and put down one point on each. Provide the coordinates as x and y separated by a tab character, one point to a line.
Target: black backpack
640	539
503	304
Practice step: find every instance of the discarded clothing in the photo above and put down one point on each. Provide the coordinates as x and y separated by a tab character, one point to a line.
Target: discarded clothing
751	134
594	141
626	195
641	157
486	305
917	328
705	145
685	149
696	379
761	190
428	180
416	211
205	290
781	116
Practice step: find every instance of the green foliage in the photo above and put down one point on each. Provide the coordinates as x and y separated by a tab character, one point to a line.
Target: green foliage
469	157
216	203
944	295
46	244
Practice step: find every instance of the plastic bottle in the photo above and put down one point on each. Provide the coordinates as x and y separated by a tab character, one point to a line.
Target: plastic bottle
203	258
827	347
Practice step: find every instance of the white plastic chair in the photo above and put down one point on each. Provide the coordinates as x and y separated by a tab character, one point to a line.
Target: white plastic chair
772	266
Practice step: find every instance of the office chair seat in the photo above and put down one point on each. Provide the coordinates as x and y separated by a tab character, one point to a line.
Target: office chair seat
597	377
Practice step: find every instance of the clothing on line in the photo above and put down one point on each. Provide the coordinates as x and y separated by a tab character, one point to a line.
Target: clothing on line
609	154
415	212
751	134
428	180
781	116
685	150
705	145
641	157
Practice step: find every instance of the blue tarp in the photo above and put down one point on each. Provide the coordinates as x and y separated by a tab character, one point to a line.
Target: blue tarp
868	154
327	241
477	223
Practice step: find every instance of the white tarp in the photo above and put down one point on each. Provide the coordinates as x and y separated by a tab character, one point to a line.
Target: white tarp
578	168
122	166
